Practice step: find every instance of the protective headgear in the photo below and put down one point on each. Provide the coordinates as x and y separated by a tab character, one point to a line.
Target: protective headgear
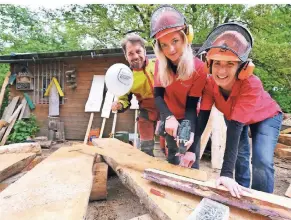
119	79
229	42
166	19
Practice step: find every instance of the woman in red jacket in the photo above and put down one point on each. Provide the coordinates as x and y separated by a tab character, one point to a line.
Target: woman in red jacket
179	80
240	96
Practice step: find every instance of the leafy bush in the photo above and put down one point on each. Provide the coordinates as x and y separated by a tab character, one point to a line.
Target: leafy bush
24	128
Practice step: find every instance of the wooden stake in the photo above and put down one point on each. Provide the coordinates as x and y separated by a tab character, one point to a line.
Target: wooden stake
88	128
4	85
102	127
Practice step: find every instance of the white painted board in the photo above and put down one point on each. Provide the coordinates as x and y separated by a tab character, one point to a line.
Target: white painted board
107	105
54	101
96	94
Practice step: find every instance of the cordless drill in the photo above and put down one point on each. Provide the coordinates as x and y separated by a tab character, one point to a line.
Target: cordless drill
184	132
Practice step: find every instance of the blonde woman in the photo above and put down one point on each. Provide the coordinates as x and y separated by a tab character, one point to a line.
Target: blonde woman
179	80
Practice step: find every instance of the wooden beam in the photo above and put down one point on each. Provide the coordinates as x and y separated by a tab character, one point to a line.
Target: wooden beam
285	139
10	108
129	156
142	217
7	132
3	88
286	131
11	164
99	188
160	208
24	104
58	188
266	204
15	114
21	148
88	128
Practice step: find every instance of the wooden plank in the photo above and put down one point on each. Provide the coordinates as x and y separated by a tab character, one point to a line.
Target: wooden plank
7	132
218	138
266	204
15	114
288	192
128	166
29	101
24	104
3	88
133	158
26	113
54	101
21	148
106	109
99	188
88	128
59	188
10	108
285	139
11	164
96	94
3	123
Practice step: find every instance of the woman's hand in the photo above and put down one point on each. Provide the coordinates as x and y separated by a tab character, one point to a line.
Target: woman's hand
234	188
187	160
171	126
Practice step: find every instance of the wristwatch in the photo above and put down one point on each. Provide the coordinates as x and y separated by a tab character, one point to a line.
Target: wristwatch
170	116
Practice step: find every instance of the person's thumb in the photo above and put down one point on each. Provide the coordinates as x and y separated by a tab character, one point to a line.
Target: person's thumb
218	182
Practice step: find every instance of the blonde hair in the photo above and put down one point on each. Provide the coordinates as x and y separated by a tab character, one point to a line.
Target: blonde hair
185	67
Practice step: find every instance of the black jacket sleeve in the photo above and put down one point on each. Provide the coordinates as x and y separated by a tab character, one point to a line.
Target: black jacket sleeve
233	133
191	112
160	103
199	128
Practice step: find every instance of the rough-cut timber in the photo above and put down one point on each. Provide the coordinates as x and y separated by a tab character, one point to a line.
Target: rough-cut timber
118	154
142	217
262	203
285	139
131	157
58	188
99	187
284	153
11	164
21	148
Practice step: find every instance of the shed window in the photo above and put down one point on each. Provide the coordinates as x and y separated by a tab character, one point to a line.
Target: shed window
43	74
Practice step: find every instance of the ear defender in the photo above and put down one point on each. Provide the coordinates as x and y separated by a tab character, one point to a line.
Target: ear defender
245	70
189	33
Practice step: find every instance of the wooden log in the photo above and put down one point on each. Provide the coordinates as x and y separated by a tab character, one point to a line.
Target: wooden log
11	164
285	139
162	208
3	88
21	148
286	131
99	187
288	192
45	144
3	186
266	204
130	157
98	159
58	188
283	153
88	128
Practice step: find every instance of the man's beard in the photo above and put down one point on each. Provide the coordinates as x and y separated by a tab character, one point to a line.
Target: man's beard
137	65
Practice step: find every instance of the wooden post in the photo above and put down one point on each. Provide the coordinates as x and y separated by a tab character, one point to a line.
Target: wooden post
4	85
134	105
88	128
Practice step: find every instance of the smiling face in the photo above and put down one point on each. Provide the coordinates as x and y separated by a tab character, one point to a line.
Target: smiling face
135	55
172	45
224	73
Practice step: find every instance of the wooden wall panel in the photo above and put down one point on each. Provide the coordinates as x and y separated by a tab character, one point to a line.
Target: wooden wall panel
72	113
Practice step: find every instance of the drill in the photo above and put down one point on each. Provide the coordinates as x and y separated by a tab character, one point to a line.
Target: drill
184	131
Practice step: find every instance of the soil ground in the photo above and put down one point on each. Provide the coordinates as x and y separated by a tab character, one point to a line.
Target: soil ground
121	204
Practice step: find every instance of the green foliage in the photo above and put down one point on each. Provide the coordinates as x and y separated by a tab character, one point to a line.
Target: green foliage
95	26
23	129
